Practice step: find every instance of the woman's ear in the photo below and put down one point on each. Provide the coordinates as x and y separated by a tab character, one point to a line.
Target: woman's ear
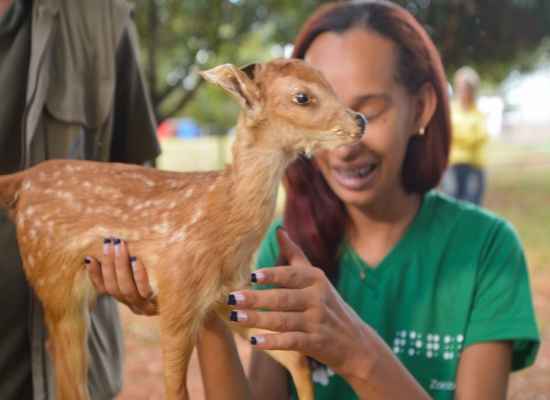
426	103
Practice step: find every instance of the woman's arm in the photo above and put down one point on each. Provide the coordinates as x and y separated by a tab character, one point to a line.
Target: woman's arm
268	379
221	369
483	371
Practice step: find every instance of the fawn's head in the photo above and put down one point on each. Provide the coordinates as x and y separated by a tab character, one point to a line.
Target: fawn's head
288	105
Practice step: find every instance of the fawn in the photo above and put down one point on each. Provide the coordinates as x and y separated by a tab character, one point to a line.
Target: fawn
195	232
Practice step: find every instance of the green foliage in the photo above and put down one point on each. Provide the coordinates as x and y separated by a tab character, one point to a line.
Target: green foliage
181	37
492	35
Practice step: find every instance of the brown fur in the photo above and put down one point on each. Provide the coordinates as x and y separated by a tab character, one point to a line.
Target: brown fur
195	232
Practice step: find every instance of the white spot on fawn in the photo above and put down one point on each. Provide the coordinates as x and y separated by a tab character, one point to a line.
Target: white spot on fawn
188	193
30	260
161	228
196	216
26	185
30	211
178	236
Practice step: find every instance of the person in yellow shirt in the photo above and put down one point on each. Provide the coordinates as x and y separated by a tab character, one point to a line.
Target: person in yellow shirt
465	178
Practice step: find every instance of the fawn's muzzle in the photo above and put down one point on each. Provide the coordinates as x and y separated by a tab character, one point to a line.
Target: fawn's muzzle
361	122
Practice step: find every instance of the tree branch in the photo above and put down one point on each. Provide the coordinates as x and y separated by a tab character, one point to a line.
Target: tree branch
182	102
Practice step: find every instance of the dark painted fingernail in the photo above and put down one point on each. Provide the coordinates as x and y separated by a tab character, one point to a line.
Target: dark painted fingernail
133	259
116	241
257	276
257	340
231	300
87	260
233	316
106	245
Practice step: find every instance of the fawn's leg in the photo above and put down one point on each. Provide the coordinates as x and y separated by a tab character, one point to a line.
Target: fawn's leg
179	323
68	347
298	367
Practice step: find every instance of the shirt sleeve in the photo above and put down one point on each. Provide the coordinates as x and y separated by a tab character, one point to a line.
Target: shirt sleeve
503	307
134	130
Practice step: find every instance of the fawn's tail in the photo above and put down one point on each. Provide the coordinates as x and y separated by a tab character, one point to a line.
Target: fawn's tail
10	185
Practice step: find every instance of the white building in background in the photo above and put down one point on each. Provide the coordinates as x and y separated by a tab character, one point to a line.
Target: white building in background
527	98
493	108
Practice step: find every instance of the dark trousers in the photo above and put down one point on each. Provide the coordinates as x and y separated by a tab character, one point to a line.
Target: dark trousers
464	182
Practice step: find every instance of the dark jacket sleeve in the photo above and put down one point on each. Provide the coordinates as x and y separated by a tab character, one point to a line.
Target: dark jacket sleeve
134	131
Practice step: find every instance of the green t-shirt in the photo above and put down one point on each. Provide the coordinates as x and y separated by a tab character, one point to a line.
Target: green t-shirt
457	276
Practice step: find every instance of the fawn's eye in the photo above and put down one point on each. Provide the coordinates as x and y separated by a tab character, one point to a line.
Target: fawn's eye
301	99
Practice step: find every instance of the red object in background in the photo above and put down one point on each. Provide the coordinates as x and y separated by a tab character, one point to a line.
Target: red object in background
166	129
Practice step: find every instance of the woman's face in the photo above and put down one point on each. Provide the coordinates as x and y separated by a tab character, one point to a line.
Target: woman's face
361	67
465	91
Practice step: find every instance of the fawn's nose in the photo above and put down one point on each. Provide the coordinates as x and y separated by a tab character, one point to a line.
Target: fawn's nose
361	122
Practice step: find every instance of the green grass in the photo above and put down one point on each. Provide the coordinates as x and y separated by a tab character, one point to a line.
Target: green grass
519	190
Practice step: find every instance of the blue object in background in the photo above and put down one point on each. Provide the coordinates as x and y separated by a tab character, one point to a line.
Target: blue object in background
186	128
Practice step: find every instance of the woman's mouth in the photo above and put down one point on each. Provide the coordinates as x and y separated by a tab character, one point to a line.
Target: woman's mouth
356	178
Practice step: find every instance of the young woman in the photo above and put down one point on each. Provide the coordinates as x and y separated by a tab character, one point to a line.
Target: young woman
421	296
465	178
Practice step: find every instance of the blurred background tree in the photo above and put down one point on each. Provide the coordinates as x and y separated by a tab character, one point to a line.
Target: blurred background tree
179	38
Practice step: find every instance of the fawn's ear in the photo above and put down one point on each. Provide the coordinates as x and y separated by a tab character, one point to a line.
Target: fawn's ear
238	82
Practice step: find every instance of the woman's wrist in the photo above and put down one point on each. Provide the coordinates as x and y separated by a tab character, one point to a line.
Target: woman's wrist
363	357
374	372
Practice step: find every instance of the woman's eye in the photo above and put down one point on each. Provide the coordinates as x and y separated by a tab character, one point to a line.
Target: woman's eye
301	98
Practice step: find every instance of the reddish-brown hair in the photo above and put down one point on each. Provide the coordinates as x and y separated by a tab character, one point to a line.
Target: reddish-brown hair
314	216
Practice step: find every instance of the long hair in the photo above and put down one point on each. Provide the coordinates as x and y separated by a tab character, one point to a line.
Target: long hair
314	216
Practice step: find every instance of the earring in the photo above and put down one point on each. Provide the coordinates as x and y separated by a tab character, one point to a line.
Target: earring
421	132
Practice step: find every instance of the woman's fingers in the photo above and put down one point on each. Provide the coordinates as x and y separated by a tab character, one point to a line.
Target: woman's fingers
272	299
95	273
123	277
290	251
297	341
271	320
108	268
290	277
141	279
123	272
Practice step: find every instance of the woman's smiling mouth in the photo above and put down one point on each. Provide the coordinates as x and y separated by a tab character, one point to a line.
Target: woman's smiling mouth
358	178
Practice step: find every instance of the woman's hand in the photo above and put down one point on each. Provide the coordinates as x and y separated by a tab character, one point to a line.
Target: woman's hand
308	314
123	277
